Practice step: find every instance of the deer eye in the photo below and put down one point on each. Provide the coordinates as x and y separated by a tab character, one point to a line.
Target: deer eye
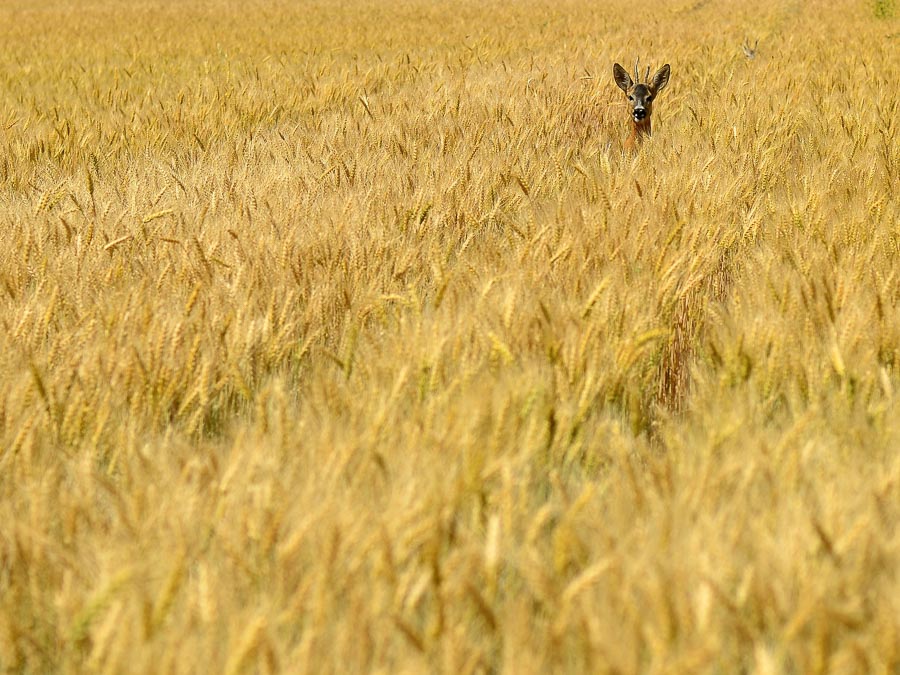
630	98
649	98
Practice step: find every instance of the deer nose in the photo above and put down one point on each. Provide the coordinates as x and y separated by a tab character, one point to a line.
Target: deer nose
640	113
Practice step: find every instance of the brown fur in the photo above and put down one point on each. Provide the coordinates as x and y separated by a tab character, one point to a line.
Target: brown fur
639	130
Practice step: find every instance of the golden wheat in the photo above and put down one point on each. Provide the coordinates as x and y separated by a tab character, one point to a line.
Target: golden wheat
346	338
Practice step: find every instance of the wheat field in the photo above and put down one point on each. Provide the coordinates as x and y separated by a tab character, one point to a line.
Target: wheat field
345	337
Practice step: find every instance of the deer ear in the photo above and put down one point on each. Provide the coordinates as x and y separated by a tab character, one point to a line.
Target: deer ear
622	78
660	79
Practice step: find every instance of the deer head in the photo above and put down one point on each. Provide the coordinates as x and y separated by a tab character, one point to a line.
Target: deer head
641	95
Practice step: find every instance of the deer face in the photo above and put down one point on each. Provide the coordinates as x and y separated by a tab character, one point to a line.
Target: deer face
641	102
641	96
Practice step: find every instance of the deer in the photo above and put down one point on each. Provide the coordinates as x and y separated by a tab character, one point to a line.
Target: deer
641	97
750	52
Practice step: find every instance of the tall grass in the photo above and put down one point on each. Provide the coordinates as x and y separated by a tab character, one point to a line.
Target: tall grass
348	339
